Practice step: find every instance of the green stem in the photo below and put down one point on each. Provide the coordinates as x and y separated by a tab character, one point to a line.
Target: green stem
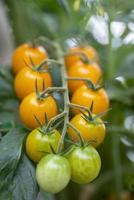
117	164
86	80
77	132
52	120
78	106
50	90
110	69
110	72
66	96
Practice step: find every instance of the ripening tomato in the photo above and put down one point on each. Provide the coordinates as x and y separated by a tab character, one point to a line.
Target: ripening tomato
38	143
31	106
89	51
24	83
24	54
85	164
84	96
53	173
82	70
90	131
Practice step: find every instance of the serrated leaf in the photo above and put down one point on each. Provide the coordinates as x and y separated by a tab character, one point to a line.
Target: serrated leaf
17	174
11	146
24	185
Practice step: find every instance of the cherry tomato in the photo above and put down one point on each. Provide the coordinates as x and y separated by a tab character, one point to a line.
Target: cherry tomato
24	83
89	51
24	53
31	106
90	131
53	173
38	143
84	97
81	70
85	164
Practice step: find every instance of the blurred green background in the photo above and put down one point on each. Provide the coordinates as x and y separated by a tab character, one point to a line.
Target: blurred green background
109	27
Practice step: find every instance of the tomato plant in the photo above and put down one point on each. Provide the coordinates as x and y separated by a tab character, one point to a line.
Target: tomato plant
32	106
53	173
84	96
82	70
38	143
85	164
91	128
74	55
26	53
24	82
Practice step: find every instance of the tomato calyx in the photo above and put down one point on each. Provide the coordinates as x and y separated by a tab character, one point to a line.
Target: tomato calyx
90	118
50	125
46	92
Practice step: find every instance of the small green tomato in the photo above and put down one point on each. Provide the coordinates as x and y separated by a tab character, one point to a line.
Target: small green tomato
85	164
53	173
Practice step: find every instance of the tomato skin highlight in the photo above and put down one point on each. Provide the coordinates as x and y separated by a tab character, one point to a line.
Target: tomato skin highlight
84	96
24	82
24	53
89	51
53	173
85	164
82	70
31	106
38	143
88	130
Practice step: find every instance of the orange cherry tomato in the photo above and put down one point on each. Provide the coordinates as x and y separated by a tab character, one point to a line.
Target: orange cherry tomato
31	106
24	83
82	70
90	131
89	51
26	52
84	96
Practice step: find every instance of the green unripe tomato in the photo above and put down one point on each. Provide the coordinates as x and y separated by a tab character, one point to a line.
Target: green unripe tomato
53	173
38	143
85	164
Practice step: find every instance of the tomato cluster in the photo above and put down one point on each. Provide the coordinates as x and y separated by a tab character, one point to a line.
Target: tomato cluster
39	112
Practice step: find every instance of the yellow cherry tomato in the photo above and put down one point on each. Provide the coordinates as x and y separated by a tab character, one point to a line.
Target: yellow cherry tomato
84	96
31	106
82	70
24	54
73	57
24	83
90	131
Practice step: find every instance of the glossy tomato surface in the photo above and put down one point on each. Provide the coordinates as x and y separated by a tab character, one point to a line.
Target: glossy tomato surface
85	164
81	70
72	56
84	96
31	106
24	82
90	131
38	143
26	52
53	173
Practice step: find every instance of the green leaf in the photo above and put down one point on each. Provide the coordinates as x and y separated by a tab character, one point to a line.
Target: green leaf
6	126
24	186
17	174
11	147
64	4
